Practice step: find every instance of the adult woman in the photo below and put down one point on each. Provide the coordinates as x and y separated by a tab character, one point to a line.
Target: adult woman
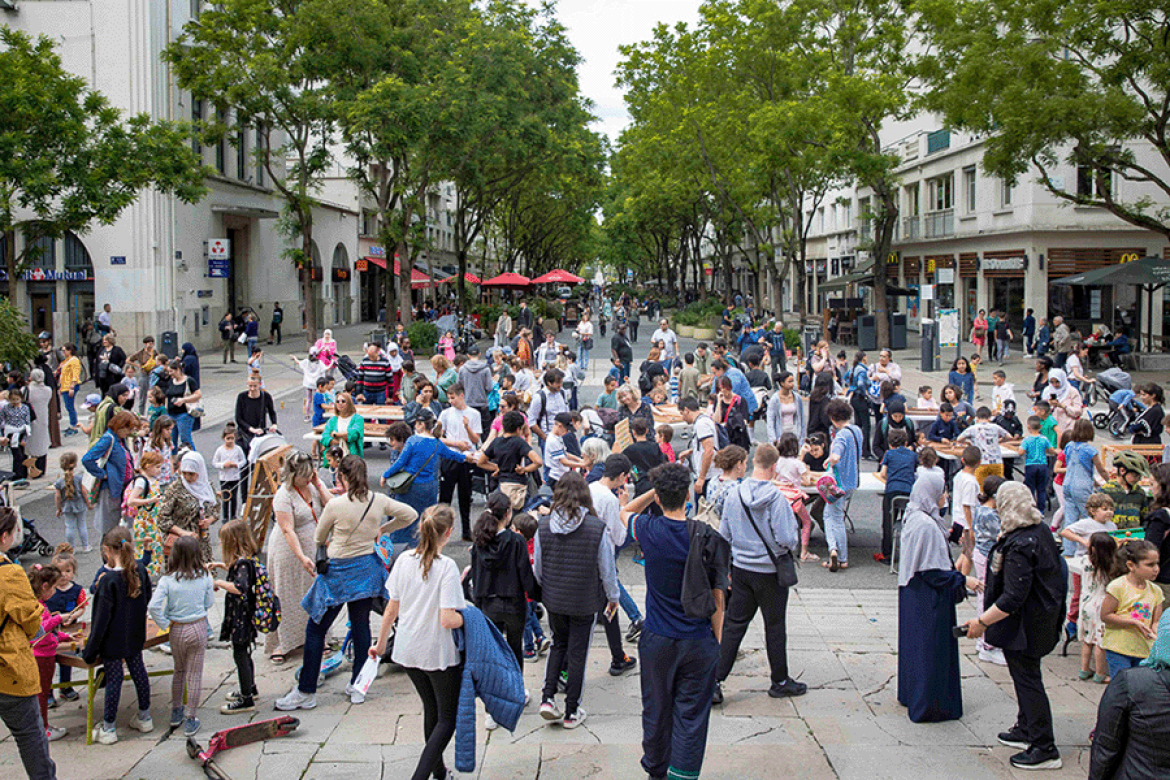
189	505
426	598
181	392
732	464
510	402
631	405
326	349
731	411
345	428
962	378
424	399
818	399
111	363
650	370
20	621
523	348
70	381
1043	366
979	332
585	337
421	457
1081	459
445	376
785	409
39	398
1066	402
109	460
821	358
251	331
349	525
928	589
503	329
1022	613
190	360
1147	428
255	413
296	506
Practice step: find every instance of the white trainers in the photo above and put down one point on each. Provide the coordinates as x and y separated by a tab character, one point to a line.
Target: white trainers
55	733
574	720
295	700
104	736
355	696
489	723
992	655
143	723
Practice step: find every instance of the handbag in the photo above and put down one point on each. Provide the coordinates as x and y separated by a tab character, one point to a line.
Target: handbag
827	485
321	559
243	338
397	484
587	343
90	485
784	562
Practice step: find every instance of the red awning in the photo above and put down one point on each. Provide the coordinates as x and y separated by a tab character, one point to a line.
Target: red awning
508	280
418	280
469	277
558	277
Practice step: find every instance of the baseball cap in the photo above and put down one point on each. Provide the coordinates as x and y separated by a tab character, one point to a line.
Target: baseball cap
92	400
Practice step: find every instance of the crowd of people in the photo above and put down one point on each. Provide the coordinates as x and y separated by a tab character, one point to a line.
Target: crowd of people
719	525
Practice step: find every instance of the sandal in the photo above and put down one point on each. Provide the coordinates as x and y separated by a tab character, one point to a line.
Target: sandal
277	659
832	564
808	556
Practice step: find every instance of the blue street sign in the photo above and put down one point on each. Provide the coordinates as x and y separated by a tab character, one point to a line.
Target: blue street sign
219	269
117	260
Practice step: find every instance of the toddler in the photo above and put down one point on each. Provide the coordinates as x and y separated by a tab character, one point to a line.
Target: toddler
791	474
926	398
68	597
986	528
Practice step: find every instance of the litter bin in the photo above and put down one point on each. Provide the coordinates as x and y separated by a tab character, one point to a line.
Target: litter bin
867	333
929	343
376	337
809	337
897	331
169	344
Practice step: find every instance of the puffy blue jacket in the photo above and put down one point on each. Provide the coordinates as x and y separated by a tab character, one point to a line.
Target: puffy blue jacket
490	672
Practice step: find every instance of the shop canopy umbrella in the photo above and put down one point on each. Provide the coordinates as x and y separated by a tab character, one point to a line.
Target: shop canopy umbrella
418	280
1150	274
508	280
470	278
558	277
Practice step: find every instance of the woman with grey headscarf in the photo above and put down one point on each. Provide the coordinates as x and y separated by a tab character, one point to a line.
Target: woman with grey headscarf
1023	609
40	397
928	589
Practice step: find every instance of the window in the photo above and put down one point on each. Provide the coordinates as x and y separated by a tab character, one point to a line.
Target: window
1094	182
40	252
864	218
821	219
937	141
369	223
941	193
969	189
221	145
846	215
196	8
242	153
1005	193
196	120
257	151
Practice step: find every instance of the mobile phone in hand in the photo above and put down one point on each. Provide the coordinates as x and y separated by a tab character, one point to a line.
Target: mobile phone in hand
959	631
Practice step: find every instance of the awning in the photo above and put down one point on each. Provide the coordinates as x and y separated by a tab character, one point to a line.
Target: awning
250	212
470	278
418	280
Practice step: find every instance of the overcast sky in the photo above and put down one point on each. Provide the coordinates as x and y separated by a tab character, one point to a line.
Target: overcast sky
597	28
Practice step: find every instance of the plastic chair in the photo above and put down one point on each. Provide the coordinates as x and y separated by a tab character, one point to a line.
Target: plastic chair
897	512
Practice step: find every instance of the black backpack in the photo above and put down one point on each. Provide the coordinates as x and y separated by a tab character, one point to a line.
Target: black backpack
707	568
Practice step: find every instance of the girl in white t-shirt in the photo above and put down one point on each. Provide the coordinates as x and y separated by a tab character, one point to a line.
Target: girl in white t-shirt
426	598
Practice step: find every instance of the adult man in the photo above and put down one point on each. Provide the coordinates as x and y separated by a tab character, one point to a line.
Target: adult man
668	338
524	317
548	352
623	352
885	368
777	348
1130	499
702	359
547	403
277	320
756	376
1029	333
679	652
739	383
476	378
758	522
227	333
461	431
635	318
688	378
704	443
255	413
373	376
727	322
1061	341
606	506
145	359
103	324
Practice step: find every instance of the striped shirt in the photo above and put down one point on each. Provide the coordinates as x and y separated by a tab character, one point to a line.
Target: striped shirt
373	375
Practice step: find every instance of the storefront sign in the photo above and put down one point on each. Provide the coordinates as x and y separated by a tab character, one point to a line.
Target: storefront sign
377	251
50	275
362	264
219	268
219	249
822	266
946	276
340	275
1005	263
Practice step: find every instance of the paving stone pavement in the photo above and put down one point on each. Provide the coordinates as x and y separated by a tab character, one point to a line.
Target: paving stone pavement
842	642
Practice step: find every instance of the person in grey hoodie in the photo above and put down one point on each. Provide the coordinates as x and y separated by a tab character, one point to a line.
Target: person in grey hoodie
476	378
573	560
753	575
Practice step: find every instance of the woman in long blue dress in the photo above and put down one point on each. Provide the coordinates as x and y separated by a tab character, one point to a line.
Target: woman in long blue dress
928	589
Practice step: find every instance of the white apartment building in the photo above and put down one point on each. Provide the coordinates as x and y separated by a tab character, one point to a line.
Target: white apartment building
164	266
982	244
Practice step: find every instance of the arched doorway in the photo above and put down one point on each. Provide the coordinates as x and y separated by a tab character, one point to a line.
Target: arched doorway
78	286
341	278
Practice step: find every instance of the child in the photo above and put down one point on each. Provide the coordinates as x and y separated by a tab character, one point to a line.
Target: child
142	503
1036	450
986	435
118	632
130	379
1166	430
658	396
256	365
180	603
156	405
1100	519
974	363
161	442
1058	470
536	644
986	529
926	398
1132	606
816	452
228	459
791	474
15	427
1090	629
573	435
71	502
239	554
897	471
333	458
665	434
447	346
67	597
1043	410
406	390
944	429
556	457
966	496
322	400
1000	391
43	580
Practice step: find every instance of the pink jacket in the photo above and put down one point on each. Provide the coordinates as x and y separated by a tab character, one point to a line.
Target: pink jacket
46	646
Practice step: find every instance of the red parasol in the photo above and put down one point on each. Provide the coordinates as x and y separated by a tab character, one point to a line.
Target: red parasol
558	277
508	280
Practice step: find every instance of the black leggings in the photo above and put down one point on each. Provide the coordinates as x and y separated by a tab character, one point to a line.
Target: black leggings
512	627
242	655
439	692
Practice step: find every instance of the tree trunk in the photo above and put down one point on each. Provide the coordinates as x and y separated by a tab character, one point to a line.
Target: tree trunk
405	264
307	277
883	238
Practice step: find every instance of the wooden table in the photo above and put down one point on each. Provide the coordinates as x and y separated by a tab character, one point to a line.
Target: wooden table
95	673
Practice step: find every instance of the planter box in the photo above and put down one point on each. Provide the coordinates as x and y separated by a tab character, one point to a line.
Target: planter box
705	334
685	331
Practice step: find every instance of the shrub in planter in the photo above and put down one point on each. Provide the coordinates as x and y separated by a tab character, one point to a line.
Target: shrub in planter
423	337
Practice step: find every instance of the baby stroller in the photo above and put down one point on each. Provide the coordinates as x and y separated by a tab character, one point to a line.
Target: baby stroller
1124	408
32	542
347	368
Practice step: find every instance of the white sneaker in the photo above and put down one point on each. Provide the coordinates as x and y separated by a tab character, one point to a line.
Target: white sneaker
143	723
104	736
993	655
355	696
295	700
55	733
489	723
165	648
527	697
574	720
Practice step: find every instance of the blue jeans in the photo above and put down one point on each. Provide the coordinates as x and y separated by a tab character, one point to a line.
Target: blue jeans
532	629
375	399
1119	661
70	400
359	626
251	345
583	357
678	680
1036	480
420	496
22	716
182	430
835	532
629	606
1074	510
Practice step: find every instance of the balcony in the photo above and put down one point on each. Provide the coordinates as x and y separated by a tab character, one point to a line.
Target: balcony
910	228
940	223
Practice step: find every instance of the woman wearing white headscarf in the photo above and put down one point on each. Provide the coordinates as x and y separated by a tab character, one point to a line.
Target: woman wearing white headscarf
394	355
189	505
40	398
1023	608
326	349
1065	400
929	586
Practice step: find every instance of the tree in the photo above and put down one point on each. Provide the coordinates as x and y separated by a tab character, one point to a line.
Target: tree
257	58
17	345
70	160
1082	83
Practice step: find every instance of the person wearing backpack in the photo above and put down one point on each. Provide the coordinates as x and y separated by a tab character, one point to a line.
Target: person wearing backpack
239	607
758	522
679	643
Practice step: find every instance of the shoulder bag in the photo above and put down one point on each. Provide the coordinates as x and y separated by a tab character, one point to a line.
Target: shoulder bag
90	485
784	562
400	483
322	557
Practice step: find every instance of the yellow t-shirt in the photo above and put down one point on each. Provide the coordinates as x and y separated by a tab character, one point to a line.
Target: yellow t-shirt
1137	603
